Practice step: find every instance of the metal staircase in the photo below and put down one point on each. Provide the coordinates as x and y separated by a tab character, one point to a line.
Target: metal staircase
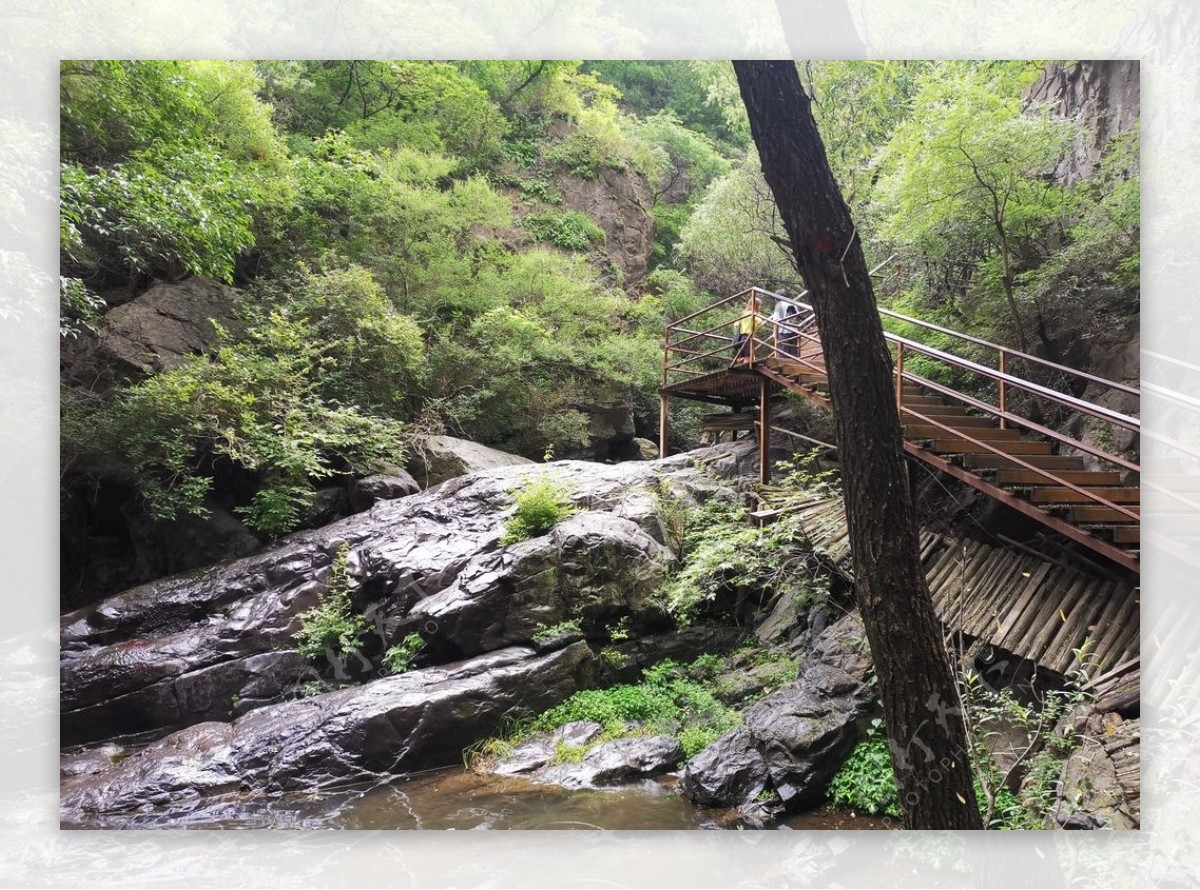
975	413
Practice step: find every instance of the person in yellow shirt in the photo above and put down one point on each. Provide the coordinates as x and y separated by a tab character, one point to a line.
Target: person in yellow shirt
744	330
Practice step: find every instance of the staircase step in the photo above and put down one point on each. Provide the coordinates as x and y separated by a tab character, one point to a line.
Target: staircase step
986	434
1061	495
1100	516
1041	461
949	417
1130	534
1077	477
962	446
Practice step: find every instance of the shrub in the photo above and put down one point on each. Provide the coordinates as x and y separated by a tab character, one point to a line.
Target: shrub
331	628
665	702
398	658
570	229
866	783
540	505
570	626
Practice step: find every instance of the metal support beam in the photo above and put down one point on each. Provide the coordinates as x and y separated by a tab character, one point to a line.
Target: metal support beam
764	432
663	426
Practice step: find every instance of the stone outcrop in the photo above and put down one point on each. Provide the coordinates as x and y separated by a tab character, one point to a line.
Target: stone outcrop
399	724
793	740
1105	94
217	642
444	457
618	201
365	492
618	761
1100	786
155	331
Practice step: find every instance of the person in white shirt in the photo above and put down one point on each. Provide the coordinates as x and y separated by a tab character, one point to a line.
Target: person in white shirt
785	340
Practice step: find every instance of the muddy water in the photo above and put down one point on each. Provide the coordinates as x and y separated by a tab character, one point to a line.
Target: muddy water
461	800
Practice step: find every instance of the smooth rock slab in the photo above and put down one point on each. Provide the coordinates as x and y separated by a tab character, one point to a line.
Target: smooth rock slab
413	721
147	659
796	738
619	761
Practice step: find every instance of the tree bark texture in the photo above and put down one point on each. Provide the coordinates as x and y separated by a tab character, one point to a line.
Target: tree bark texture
920	700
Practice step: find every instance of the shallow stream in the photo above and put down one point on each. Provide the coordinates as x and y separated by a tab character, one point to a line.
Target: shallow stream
459	799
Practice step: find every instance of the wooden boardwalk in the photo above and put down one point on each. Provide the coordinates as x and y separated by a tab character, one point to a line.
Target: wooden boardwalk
1063	619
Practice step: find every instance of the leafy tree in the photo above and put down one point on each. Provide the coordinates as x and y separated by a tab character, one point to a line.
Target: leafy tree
678	89
969	176
432	106
735	237
291	403
897	610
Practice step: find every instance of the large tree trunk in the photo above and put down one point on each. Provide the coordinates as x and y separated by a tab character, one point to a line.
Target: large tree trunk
920	701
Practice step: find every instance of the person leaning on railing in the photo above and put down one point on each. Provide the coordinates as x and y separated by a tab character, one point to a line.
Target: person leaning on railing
744	330
785	334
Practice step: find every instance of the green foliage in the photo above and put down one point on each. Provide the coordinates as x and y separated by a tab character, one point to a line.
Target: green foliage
540	504
730	239
570	229
260	403
570	626
678	88
722	551
432	106
567	753
667	700
866	783
331	628
184	211
399	658
540	189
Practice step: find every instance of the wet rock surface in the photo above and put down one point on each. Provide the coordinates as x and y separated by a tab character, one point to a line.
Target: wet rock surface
794	739
557	757
444	457
399	724
216	642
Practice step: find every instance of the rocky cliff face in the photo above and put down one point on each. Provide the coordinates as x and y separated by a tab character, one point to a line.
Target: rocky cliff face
619	202
1105	95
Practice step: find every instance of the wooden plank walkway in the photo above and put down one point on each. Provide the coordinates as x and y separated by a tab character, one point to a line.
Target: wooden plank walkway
1033	608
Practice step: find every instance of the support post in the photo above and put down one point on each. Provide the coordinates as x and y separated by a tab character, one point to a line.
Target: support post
764	432
1003	393
663	426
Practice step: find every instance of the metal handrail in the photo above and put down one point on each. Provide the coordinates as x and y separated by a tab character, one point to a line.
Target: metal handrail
1024	356
1124	420
802	330
1063	438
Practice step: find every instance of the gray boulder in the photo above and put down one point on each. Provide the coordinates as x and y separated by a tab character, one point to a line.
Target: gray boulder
794	739
170	321
444	457
594	567
365	492
418	720
209	644
615	762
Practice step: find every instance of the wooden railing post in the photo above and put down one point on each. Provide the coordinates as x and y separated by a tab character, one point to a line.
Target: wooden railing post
900	379
1003	392
666	353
